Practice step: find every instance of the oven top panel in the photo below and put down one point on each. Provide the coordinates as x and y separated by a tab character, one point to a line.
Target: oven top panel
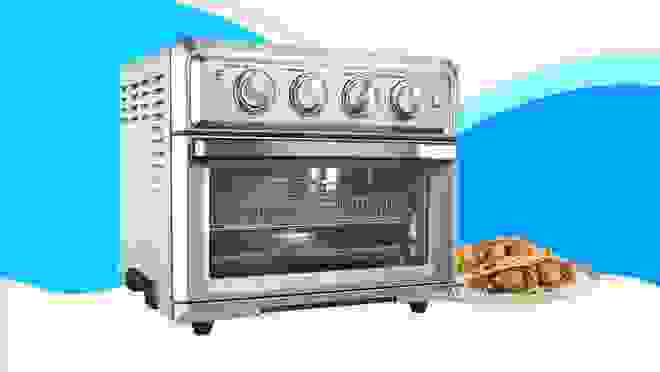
294	88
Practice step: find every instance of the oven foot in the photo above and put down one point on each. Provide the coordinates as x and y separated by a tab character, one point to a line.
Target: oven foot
419	307
202	328
134	280
150	294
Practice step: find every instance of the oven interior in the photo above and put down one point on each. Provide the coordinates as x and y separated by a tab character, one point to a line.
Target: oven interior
302	215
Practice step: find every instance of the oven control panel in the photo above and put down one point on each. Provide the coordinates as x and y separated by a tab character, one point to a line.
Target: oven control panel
263	89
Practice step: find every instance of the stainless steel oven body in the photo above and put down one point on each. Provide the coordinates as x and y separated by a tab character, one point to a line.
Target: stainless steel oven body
259	179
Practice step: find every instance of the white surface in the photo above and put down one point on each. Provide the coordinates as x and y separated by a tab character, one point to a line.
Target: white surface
615	329
4	322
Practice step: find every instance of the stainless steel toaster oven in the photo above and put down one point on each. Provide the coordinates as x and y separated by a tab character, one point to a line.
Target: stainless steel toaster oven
271	178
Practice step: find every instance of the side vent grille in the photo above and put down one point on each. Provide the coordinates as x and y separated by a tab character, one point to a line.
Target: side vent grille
143	100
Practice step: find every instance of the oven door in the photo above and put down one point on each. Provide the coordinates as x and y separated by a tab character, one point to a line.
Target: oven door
274	217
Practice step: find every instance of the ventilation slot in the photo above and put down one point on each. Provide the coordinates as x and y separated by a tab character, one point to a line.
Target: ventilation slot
157	135
144	100
360	203
158	159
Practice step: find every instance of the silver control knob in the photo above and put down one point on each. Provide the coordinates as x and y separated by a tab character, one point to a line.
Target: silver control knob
254	91
308	94
355	97
403	100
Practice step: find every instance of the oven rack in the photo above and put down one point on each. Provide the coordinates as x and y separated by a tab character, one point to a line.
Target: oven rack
381	221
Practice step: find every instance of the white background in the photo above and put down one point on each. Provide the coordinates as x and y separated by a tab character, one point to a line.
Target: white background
614	329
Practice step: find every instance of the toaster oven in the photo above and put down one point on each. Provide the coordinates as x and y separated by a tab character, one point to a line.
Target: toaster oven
274	178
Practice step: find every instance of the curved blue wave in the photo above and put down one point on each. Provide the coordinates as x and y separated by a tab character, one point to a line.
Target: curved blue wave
575	172
60	210
608	69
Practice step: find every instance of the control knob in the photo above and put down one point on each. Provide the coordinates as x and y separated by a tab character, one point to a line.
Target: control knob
308	94
403	100
355	97
254	91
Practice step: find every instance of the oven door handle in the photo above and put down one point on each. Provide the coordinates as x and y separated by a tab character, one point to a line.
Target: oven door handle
227	149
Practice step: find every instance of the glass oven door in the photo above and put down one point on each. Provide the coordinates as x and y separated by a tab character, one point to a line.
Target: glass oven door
314	218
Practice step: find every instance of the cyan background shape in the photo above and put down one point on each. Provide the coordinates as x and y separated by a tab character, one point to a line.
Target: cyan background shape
61	133
574	171
616	67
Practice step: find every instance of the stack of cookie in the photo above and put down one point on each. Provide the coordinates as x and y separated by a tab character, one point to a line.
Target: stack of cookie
513	263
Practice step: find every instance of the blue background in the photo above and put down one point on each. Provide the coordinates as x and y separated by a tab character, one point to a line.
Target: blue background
575	172
60	128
